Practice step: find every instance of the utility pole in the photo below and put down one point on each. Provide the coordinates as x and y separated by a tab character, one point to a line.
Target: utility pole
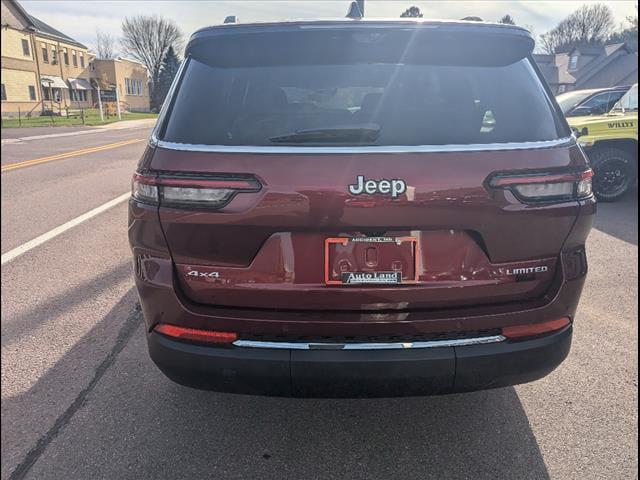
118	103
100	101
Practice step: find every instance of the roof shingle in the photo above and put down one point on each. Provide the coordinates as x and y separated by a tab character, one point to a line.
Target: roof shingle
47	30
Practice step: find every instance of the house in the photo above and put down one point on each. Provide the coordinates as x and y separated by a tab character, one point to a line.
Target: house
20	74
130	77
45	71
60	65
589	66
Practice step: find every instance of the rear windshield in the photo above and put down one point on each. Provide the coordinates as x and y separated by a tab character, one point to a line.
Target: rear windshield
360	104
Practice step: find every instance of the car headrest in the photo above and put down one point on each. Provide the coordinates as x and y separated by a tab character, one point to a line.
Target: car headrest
265	99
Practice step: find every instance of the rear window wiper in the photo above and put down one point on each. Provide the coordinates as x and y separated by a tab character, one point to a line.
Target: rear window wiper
351	133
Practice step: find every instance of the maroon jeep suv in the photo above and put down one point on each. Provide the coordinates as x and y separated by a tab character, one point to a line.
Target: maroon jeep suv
360	208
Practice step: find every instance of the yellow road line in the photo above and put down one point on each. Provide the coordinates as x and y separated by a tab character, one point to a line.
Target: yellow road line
74	153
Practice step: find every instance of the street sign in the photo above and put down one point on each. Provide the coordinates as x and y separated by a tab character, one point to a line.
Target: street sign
108	95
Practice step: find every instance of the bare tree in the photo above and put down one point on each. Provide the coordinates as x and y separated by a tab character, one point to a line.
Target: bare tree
105	45
147	39
633	20
627	33
590	24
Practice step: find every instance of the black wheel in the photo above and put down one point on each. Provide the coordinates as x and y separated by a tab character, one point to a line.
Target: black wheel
615	172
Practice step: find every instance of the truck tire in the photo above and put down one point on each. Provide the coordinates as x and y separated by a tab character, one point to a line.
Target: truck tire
615	172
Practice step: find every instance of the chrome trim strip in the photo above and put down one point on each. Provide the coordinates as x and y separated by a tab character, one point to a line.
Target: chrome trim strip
369	346
478	147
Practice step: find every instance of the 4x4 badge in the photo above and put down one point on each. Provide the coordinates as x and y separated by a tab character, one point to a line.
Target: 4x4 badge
393	187
196	273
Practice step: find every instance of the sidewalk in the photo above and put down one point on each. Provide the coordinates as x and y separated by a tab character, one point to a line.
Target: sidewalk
143	122
18	135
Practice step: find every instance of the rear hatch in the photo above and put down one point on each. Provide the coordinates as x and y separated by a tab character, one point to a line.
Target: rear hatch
363	166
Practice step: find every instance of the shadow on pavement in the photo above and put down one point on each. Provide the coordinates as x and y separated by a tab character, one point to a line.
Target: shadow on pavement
137	424
28	416
620	219
15	328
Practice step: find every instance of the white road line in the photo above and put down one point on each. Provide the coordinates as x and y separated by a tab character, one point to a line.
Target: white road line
31	244
137	126
50	135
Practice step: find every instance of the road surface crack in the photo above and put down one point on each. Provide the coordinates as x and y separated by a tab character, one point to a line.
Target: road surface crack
124	335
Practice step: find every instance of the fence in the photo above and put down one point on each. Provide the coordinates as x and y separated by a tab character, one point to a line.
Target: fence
57	114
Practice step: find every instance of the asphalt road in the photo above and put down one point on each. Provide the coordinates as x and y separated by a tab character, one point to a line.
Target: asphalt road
82	400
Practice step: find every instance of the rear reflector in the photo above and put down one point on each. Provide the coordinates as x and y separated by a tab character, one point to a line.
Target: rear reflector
206	192
195	334
532	187
532	329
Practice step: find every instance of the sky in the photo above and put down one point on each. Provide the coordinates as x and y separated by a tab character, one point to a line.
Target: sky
79	19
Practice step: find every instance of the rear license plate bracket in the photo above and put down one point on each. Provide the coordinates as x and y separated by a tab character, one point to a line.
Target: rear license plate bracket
371	260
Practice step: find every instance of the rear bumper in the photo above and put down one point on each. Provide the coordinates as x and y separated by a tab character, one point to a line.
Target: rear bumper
359	373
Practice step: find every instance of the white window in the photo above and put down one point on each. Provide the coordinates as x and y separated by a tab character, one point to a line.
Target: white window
25	48
573	62
78	95
45	53
133	86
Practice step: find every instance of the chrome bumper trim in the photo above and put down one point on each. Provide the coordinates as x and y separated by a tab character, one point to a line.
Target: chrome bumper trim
369	346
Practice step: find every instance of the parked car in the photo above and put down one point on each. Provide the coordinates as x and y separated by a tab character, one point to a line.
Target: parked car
584	103
360	208
611	143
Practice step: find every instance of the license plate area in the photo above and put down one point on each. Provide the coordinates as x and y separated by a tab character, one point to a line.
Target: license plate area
370	260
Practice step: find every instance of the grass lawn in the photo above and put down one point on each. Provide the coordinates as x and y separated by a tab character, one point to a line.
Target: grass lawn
91	117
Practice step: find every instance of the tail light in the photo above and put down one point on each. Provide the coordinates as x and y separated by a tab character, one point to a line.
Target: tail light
196	334
544	187
533	329
183	191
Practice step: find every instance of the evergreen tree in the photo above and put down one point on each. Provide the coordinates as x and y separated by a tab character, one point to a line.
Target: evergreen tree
507	20
168	70
412	12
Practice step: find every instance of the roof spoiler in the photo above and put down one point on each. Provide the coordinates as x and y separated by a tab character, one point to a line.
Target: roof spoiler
317	43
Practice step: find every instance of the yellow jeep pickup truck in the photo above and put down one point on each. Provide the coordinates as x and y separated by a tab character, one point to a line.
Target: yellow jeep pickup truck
611	143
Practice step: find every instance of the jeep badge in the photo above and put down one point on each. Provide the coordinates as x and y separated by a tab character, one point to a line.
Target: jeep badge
393	187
